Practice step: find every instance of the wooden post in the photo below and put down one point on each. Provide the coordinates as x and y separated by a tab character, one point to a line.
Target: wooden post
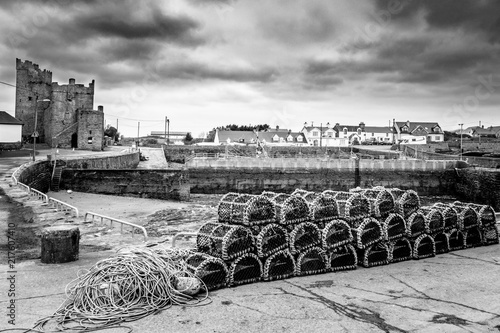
60	244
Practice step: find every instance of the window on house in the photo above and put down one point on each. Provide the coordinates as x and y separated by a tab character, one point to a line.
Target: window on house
315	133
386	134
299	138
276	138
373	134
437	138
359	131
290	138
345	131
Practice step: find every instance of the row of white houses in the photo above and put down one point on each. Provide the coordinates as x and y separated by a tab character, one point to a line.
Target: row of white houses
338	135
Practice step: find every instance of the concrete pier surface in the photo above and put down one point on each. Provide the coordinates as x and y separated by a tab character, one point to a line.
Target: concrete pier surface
454	292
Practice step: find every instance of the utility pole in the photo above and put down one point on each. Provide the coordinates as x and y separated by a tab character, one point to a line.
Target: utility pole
166	119
138	126
35	134
461	134
320	135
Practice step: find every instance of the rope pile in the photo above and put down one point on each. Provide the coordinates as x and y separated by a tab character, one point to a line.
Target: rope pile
131	285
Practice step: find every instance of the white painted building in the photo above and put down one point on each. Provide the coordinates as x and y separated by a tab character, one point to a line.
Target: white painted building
10	129
323	136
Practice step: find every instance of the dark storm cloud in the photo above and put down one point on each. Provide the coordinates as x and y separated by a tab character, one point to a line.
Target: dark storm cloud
200	71
479	16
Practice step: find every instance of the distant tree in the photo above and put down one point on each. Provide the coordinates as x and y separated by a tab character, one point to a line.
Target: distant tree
112	132
188	138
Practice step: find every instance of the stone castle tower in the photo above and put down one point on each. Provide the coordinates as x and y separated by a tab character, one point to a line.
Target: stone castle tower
59	120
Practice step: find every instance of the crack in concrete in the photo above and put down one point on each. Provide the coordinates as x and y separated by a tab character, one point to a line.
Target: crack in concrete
478	259
360	314
424	296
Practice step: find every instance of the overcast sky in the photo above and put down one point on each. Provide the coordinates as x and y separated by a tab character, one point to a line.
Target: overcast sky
205	63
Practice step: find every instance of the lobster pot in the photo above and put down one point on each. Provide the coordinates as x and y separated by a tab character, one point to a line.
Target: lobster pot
245	269
473	237
416	225
225	207
450	217
367	233
456	239
400	250
353	207
300	192
271	239
280	265
467	217
224	241
291	209
381	201
335	234
406	202
424	247
486	214
343	258
434	217
442	242
304	236
311	261
394	227
211	270
490	235
324	208
252	210
374	255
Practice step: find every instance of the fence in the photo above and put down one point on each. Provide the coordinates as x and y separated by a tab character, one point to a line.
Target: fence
62	206
38	195
122	223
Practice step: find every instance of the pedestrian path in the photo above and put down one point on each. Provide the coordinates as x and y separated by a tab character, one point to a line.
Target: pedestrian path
155	158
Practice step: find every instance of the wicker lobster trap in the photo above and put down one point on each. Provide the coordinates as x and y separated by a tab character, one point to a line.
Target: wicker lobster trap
211	270
280	265
473	237
486	214
311	261
450	216
381	201
394	227
290	209
352	207
252	210
335	234
434	217
424	247
224	241
343	258
400	250
374	255
245	269
225	207
406	202
456	239
367	233
304	236
467	217
417	224
442	242
324	208
490	234
271	239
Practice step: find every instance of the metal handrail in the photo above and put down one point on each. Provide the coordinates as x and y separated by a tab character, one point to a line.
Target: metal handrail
60	205
134	226
174	239
24	187
39	195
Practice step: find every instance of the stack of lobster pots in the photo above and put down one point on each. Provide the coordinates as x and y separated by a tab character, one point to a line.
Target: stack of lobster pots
276	236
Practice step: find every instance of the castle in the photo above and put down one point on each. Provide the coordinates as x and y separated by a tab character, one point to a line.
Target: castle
64	115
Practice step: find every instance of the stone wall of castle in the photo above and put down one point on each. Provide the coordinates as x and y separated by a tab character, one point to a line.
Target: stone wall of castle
91	129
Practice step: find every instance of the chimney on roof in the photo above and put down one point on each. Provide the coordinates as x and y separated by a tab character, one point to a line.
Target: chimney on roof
277	127
100	108
71	81
362	126
408	123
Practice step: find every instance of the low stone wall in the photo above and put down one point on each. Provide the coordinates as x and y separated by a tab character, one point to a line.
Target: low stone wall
11	145
172	184
128	160
479	185
252	180
36	175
